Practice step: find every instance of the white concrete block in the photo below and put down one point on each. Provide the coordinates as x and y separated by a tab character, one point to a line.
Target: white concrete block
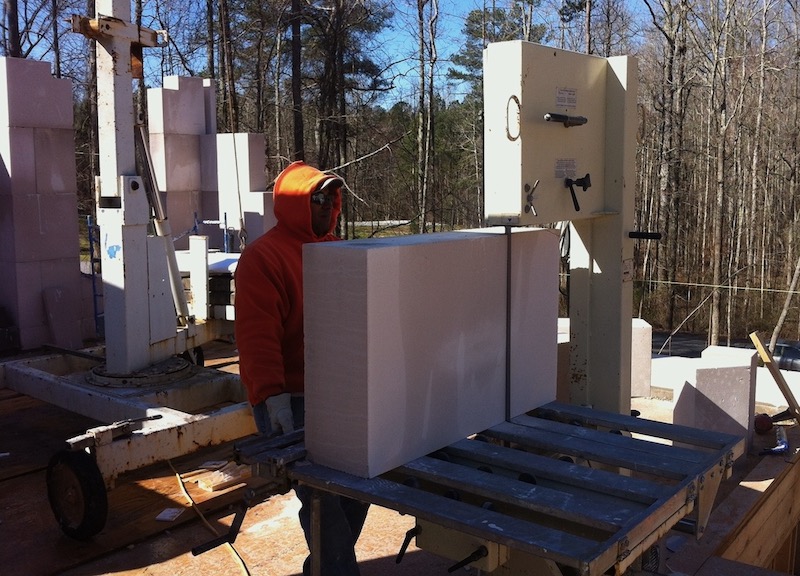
641	353
31	98
54	161
208	163
179	107
722	399
182	207
8	239
241	176
210	99
405	342
241	163
259	213
176	161
18	152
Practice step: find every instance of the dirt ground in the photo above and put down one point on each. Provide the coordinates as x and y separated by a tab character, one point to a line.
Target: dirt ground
270	543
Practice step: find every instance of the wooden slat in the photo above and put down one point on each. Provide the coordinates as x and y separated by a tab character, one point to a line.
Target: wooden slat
769	362
585	448
581	553
755	539
677	433
561	472
607	514
633	446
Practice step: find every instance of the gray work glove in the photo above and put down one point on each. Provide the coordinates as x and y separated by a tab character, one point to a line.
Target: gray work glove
280	413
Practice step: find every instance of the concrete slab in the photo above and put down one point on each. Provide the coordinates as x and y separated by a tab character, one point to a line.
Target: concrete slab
405	342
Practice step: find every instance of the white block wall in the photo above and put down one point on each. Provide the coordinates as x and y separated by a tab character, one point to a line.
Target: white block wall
39	243
405	341
202	173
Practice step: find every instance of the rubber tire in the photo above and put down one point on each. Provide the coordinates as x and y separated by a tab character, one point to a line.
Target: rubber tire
77	494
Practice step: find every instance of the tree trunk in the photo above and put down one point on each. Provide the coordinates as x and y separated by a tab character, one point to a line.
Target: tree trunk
231	106
298	152
210	58
56	44
12	22
421	124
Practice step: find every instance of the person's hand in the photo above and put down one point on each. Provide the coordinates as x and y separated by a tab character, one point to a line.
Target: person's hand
280	413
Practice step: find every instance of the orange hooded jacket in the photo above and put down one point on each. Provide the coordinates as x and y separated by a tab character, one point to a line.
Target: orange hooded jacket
269	288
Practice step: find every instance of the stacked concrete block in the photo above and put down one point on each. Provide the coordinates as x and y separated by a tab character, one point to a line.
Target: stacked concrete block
39	239
405	341
207	179
241	181
180	114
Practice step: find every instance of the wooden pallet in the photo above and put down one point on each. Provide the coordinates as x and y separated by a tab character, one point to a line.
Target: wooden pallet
575	486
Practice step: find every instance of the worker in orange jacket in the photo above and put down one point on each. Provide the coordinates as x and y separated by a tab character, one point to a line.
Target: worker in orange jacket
269	336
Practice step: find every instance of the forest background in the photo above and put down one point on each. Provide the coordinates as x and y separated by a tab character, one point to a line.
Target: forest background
388	93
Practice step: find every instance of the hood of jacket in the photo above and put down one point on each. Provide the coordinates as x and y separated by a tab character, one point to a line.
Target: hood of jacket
292	200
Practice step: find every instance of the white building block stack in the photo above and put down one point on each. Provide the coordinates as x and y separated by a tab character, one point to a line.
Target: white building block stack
214	177
39	240
177	121
241	181
405	341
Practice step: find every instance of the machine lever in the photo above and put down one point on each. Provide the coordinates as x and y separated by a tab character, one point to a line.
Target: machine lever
567	121
481	552
409	536
530	190
585	183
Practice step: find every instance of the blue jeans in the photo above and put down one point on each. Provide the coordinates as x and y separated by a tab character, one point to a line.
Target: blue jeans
341	518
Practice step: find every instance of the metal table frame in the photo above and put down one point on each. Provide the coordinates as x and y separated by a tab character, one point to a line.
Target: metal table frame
573	486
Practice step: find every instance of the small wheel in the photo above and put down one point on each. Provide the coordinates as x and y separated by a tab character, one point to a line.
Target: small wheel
77	494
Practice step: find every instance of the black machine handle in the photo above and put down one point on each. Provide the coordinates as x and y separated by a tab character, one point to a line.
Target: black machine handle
585	183
409	537
480	552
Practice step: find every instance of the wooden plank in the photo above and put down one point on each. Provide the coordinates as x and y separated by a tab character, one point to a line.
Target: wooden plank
769	362
133	506
721	567
581	553
579	443
755	540
676	433
31	431
602	513
544	468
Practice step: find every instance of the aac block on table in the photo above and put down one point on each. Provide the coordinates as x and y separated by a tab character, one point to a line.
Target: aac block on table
405	341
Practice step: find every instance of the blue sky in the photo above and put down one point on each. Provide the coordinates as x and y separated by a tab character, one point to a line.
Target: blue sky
401	46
